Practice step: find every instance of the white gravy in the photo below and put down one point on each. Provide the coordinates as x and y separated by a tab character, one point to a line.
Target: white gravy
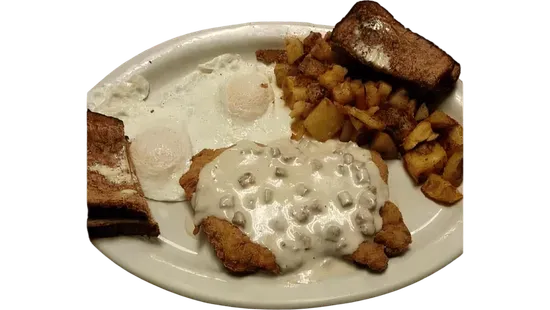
304	200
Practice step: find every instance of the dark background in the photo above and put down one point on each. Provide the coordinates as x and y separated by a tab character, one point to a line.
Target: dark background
495	42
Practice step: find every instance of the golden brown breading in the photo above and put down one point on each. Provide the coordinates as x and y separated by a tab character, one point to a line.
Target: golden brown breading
239	254
394	234
236	251
190	179
371	255
381	164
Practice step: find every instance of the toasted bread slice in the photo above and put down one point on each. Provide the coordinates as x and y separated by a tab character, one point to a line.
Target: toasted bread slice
372	36
119	227
116	204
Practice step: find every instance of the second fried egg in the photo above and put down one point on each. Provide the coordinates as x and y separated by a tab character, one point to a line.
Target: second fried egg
223	101
229	99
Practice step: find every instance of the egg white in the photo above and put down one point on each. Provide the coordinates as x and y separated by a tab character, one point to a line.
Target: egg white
209	123
161	150
194	114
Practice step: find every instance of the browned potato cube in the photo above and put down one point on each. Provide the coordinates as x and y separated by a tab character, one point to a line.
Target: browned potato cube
384	90
424	160
309	107
440	120
347	131
298	130
383	144
282	70
361	101
342	93
420	133
316	92
304	80
357	86
422	113
371	92
452	140
327	36
324	121
432	137
411	107
370	121
333	76
398	123
358	90
271	56
453	171
312	67
372	110
292	92
294	49
399	99
298	108
357	124
322	51
311	40
440	190
355	134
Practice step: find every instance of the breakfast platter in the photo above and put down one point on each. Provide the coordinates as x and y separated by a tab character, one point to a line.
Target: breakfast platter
190	96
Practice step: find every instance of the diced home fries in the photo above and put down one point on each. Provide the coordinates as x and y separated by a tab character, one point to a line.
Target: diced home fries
422	113
427	158
383	144
324	121
333	76
326	103
440	190
453	170
294	49
422	132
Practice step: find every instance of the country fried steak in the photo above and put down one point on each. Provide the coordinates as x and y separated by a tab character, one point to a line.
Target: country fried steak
241	255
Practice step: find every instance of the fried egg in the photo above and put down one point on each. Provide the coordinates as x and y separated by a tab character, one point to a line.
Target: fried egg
118	99
242	97
223	101
160	150
229	99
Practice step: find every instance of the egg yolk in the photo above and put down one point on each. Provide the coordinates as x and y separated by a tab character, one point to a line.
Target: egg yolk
247	96
158	152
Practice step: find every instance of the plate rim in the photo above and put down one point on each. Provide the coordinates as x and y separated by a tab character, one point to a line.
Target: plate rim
138	63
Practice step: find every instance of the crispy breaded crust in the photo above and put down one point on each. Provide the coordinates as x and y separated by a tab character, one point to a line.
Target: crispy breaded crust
411	57
381	164
236	251
370	255
395	235
239	254
111	210
393	240
190	179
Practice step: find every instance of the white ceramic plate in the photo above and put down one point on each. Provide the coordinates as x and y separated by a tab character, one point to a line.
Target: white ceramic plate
186	265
